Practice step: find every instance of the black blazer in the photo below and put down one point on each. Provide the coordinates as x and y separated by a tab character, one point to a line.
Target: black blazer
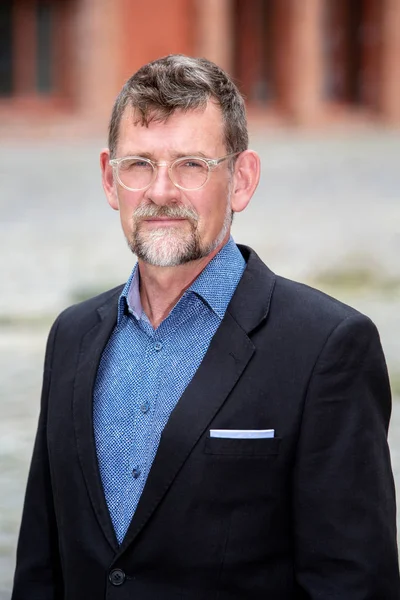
307	515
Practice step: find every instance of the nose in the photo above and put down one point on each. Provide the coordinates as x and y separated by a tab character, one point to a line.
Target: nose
162	190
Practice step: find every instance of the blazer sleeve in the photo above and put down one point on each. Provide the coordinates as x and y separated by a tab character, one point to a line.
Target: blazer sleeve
38	569
344	505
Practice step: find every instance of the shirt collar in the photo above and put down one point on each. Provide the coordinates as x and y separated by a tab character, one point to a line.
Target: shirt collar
215	285
218	281
129	299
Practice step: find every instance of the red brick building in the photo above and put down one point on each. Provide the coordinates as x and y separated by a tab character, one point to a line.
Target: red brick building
303	62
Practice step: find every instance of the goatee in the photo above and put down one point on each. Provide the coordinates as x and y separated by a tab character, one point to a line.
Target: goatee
170	246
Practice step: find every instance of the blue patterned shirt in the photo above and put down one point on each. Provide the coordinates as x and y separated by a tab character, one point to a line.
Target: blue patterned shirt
143	372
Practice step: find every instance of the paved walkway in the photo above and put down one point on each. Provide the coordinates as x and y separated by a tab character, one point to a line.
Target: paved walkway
326	210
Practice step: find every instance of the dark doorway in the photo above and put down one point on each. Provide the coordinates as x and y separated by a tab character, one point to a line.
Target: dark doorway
6	48
254	31
45	21
351	45
35	48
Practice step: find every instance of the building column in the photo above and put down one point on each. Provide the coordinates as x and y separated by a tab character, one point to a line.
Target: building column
97	57
151	30
215	37
389	102
305	61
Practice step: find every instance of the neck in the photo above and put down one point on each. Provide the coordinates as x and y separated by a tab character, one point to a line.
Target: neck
162	287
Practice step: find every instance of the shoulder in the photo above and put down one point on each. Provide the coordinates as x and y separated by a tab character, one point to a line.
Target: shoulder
316	316
300	300
298	307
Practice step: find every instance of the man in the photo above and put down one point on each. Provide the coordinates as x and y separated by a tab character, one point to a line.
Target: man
210	430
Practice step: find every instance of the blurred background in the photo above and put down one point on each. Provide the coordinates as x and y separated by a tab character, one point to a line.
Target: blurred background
322	84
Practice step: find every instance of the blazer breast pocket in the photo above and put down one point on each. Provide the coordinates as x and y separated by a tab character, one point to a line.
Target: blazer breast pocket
242	447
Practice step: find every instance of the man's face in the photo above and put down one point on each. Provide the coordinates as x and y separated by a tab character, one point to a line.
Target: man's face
164	225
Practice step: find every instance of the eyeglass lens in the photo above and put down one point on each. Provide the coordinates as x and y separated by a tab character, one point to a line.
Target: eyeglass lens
137	174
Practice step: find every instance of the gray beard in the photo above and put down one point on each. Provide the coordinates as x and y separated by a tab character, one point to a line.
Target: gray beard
172	246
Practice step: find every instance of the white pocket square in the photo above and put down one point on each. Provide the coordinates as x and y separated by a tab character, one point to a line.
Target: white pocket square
243	434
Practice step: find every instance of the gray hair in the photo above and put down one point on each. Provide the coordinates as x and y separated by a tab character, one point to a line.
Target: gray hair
180	82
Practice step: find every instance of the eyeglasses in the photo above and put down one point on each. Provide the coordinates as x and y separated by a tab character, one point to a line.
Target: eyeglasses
135	173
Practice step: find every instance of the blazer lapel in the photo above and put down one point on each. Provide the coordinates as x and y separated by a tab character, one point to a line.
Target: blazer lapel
93	343
229	353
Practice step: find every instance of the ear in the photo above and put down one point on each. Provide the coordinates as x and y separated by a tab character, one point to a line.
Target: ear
107	179
245	179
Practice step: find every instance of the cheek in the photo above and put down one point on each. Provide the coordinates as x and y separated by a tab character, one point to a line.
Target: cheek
215	211
128	202
127	206
211	206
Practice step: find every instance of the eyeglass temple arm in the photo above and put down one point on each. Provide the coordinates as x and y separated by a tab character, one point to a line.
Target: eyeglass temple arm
216	161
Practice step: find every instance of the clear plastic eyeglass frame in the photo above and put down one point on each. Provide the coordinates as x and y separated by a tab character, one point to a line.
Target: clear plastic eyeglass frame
210	162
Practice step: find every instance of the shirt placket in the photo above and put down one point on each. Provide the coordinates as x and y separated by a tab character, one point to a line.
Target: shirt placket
145	409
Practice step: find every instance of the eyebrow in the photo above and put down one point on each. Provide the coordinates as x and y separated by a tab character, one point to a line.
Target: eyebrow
174	155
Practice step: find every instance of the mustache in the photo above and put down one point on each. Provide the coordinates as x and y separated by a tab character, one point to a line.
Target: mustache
172	212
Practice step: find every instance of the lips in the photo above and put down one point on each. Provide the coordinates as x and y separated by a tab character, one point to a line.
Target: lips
163	220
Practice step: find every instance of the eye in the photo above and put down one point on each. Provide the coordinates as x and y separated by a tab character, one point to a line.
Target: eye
191	163
135	164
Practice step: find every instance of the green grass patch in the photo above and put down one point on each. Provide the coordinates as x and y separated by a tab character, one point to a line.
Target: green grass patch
84	293
26	321
395	383
356	280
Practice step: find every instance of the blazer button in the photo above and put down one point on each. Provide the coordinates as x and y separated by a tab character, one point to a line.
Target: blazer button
117	577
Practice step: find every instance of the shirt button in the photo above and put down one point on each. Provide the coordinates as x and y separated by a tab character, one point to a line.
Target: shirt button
136	472
158	346
117	577
145	407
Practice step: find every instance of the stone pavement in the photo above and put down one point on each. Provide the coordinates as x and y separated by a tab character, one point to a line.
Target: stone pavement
327	212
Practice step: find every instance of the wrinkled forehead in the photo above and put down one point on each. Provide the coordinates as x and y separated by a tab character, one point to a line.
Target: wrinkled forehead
204	126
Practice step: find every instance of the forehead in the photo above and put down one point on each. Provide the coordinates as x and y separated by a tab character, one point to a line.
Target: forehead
186	132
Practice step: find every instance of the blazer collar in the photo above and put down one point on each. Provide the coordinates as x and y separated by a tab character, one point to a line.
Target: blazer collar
93	342
251	301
